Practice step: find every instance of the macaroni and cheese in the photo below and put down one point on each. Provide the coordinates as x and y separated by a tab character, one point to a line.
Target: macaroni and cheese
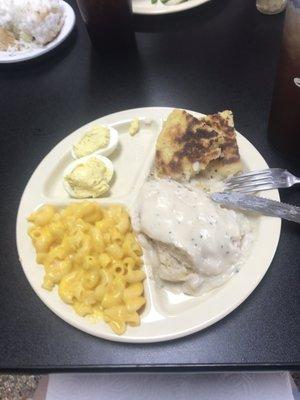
91	253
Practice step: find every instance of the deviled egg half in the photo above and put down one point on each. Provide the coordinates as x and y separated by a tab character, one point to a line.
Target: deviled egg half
88	177
97	139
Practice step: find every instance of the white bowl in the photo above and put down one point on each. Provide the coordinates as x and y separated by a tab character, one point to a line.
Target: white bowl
82	160
105	151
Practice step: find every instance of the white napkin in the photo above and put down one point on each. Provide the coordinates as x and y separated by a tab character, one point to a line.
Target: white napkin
212	386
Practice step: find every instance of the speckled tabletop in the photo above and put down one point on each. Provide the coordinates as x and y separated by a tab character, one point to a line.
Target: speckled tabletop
18	387
23	387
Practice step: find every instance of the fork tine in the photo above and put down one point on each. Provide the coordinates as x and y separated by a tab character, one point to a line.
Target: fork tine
248	177
254	178
248	183
258	180
264	172
256	188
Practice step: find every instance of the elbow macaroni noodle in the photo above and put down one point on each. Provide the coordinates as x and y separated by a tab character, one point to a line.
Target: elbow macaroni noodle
91	253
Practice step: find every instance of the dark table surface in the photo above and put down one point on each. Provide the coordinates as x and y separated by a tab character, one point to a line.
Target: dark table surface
221	55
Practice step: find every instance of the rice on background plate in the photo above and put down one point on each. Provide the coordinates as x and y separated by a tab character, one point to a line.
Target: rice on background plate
34	23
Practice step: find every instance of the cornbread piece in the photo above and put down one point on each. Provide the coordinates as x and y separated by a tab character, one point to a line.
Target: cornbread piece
187	145
7	39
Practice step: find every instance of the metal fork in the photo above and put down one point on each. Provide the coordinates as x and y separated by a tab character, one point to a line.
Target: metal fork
266	179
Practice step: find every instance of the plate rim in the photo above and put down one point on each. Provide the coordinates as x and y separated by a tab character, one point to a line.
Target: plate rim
61	37
85	327
187	5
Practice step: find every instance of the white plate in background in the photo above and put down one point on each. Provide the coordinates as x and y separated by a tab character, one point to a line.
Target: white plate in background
164	318
147	8
18	56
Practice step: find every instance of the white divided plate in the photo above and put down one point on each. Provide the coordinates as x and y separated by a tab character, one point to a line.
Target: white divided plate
63	34
165	317
146	7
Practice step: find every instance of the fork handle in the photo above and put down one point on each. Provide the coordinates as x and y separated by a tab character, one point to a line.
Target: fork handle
296	180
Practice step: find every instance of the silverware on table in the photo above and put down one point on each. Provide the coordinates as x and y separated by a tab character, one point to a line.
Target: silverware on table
254	203
272	178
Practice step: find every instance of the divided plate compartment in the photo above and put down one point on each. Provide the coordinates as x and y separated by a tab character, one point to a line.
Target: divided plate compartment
131	159
166	315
